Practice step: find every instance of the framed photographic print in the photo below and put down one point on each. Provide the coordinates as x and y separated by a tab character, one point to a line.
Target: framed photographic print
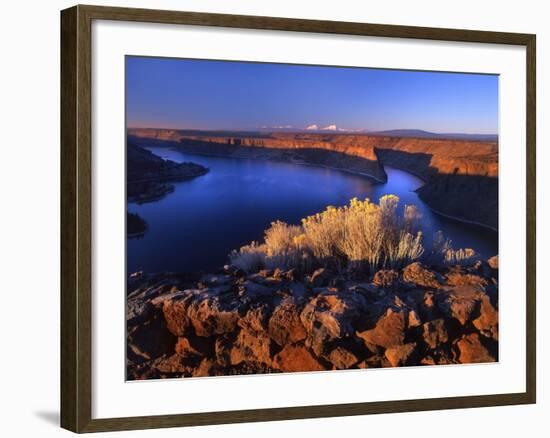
304	218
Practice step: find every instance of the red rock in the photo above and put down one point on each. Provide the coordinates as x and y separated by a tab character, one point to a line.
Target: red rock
285	326
175	314
400	354
294	358
210	317
342	358
419	275
487	321
458	278
493	262
427	360
250	347
255	319
331	315
471	350
375	361
194	347
435	333
184	348
389	330
386	278
414	319
460	303
222	349
173	364
206	368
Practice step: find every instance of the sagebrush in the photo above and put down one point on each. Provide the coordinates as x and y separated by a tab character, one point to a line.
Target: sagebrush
361	235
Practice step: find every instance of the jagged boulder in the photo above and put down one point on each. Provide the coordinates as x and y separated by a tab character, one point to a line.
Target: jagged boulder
175	308
389	330
460	277
331	315
471	350
214	313
233	323
417	274
296	358
342	358
256	318
400	355
435	333
208	367
222	348
487	321
285	326
460	303
194	347
173	366
251	347
386	278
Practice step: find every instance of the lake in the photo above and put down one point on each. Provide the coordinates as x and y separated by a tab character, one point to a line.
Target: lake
195	227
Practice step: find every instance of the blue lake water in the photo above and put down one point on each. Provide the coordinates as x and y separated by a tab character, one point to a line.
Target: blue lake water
195	227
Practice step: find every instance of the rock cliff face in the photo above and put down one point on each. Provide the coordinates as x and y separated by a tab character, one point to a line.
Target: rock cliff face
461	176
234	323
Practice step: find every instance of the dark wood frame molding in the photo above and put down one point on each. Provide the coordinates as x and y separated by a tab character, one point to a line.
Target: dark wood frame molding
76	178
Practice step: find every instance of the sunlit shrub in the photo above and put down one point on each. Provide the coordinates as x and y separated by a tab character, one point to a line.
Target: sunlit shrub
462	256
249	258
405	250
323	232
443	253
362	238
279	238
361	235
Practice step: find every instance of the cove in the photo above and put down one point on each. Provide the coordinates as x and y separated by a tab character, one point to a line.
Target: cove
195	227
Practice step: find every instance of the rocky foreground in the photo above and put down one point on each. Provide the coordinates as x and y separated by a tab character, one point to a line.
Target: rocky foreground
237	323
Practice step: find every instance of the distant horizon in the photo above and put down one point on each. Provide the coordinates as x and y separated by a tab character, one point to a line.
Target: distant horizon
297	129
211	95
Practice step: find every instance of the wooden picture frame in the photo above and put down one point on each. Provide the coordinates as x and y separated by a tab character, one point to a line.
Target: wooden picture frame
76	217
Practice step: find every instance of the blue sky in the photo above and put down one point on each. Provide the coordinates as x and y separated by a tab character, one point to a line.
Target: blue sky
197	94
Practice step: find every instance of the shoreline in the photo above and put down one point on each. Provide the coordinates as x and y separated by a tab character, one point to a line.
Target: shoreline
301	163
466	221
354	172
180	148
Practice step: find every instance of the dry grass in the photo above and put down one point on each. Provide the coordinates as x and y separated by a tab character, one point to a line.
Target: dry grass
249	258
362	235
443	252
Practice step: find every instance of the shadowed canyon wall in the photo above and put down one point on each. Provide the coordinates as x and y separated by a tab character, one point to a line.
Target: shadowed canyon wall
461	176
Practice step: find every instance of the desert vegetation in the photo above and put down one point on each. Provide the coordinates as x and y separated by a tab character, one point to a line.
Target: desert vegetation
362	235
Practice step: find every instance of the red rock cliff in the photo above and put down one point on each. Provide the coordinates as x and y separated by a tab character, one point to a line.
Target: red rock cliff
461	176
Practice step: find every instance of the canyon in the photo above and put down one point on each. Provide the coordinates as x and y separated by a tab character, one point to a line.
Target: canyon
460	176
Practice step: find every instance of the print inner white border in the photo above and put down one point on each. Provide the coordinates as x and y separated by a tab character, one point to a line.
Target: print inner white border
113	397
